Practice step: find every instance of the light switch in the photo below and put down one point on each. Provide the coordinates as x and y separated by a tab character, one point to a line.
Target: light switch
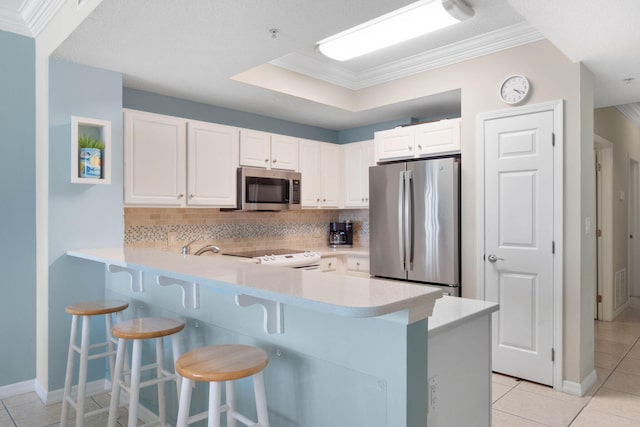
621	195
587	225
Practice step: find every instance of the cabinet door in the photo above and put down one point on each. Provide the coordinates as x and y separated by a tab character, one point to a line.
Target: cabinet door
331	176
255	149
369	160
353	166
394	143
441	137
310	170
284	152
154	159
212	162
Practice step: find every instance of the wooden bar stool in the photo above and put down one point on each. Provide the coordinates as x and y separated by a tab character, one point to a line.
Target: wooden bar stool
138	330
216	364
84	311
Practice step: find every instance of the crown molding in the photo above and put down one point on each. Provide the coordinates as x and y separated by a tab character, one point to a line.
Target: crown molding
11	21
501	39
31	18
631	112
38	13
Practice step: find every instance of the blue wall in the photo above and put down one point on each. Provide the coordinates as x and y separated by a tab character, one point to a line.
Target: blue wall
161	104
17	209
80	215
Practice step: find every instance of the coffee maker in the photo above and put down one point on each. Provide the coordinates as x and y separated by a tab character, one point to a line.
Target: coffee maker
341	234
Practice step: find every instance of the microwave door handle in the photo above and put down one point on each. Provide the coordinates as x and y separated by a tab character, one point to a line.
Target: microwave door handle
401	244
408	214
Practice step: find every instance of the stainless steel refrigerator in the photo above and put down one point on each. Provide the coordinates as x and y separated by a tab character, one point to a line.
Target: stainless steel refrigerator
414	222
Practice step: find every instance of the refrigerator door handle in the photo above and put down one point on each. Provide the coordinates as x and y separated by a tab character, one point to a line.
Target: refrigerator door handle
410	215
408	219
401	227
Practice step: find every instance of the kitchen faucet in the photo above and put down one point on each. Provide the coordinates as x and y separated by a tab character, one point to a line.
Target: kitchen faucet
207	248
186	249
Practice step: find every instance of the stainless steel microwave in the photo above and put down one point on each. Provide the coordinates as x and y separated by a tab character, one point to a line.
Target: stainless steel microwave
268	190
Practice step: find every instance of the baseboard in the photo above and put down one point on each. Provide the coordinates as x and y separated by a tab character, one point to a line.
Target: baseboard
580	389
635	302
55	396
17	388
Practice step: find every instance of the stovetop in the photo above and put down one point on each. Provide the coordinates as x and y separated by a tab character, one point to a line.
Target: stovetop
263	252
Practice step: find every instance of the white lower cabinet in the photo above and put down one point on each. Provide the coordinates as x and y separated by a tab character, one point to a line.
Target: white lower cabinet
358	264
320	166
357	158
328	264
171	161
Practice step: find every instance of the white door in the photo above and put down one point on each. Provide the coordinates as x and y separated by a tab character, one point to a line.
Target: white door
634	228
212	162
519	242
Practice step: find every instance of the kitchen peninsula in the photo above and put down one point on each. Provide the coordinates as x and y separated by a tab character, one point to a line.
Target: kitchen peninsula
343	350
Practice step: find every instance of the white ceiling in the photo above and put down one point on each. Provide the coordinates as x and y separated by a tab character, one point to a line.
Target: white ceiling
191	48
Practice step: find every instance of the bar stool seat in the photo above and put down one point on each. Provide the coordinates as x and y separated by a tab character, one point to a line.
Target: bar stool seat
138	330
217	364
84	311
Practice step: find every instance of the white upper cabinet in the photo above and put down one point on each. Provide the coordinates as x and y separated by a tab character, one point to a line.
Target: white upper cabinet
177	162
331	174
284	152
437	138
357	157
212	162
154	163
320	166
428	139
270	151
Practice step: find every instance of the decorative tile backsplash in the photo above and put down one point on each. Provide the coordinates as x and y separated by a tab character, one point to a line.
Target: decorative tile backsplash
170	229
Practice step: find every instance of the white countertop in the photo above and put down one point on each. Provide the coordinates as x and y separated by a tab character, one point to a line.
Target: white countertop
340	295
452	311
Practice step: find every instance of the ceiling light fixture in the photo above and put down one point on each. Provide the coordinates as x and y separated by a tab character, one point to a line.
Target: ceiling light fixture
403	24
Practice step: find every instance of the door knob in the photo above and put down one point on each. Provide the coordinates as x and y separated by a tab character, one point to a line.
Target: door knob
494	258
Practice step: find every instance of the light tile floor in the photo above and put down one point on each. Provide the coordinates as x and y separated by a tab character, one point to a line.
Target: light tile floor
614	401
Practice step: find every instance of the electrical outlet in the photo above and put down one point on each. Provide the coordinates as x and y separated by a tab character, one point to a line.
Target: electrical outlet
433	393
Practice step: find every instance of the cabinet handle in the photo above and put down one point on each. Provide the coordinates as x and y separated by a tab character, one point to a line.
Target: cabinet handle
419	147
324	200
357	264
317	200
191	196
180	196
330	265
362	200
266	160
275	161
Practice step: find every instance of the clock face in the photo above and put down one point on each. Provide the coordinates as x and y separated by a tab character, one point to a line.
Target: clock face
514	89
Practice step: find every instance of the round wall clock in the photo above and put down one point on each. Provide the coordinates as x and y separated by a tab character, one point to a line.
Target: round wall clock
514	89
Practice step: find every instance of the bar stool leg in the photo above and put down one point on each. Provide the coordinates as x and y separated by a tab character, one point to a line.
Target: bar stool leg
84	359
185	403
109	324
115	384
231	403
134	388
162	412
215	390
175	348
261	399
69	376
